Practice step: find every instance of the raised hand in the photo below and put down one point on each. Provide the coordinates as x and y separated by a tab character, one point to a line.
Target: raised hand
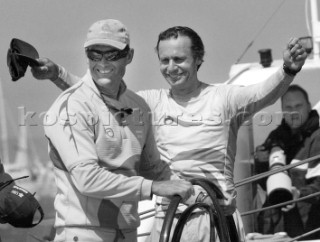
46	70
261	154
295	195
294	55
173	187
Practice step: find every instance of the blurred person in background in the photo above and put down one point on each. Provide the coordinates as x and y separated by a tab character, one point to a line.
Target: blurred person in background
299	137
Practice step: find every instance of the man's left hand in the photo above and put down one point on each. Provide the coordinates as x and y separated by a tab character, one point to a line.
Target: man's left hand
295	194
294	55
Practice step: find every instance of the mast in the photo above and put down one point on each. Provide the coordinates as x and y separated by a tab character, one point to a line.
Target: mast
315	28
3	129
21	160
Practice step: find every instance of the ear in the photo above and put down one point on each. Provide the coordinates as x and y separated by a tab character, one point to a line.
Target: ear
198	61
130	56
309	107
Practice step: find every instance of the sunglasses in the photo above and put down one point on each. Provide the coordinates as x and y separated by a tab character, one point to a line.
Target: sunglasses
114	55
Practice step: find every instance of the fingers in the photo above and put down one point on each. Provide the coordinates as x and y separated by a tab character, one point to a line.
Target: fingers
40	69
228	205
297	52
288	208
40	72
174	187
292	42
295	192
46	69
187	191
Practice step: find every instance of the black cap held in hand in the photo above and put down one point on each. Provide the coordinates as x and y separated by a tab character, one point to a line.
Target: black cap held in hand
20	55
18	206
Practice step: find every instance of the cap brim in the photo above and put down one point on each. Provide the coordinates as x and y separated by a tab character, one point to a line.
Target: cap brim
31	62
116	44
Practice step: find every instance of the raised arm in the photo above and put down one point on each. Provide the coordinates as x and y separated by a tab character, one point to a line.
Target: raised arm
250	99
55	73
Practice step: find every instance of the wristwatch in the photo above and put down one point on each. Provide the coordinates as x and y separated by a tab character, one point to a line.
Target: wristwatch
289	71
201	197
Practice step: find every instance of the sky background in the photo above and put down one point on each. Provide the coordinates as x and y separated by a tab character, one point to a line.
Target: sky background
57	29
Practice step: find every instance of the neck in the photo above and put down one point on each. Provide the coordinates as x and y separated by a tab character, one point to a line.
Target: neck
294	131
187	93
111	91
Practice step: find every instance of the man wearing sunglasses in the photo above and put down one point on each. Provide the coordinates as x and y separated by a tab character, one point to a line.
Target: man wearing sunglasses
103	150
196	124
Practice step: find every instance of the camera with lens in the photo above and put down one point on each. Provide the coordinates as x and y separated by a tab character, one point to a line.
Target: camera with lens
279	184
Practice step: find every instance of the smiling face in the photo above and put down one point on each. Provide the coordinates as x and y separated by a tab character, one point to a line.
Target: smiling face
178	64
296	109
108	74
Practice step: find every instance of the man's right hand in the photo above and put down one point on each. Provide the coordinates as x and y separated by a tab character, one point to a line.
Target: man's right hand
170	188
228	205
47	69
261	154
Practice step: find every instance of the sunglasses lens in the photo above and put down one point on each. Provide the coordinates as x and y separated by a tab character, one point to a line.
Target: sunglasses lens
95	55
112	56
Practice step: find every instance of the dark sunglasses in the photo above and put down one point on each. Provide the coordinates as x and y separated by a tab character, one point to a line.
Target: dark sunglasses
114	55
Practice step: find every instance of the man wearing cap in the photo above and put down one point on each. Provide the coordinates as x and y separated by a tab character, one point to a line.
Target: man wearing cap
103	149
196	124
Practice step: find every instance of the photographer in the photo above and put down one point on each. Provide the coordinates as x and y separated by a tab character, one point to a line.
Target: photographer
299	137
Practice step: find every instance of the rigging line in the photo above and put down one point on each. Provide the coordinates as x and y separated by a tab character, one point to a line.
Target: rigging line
304	235
259	32
271	172
280	204
146	211
307	16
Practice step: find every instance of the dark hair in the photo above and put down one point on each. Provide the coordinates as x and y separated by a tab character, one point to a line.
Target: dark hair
296	88
197	46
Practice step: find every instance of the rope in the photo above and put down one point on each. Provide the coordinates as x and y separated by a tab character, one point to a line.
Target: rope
259	32
260	210
271	172
304	235
148	216
280	204
147	211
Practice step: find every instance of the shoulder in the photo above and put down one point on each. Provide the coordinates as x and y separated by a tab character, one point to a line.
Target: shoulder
71	108
135	100
70	97
316	135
